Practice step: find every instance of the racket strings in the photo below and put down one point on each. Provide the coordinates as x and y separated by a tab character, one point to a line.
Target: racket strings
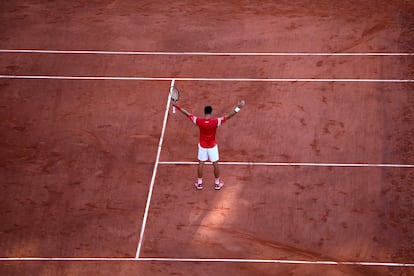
175	94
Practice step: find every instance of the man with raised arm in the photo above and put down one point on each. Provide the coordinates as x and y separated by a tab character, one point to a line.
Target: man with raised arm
207	147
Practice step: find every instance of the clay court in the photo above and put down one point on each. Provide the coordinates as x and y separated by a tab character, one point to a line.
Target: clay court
97	173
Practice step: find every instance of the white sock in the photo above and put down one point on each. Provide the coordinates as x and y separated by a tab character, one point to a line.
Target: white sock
217	181
200	181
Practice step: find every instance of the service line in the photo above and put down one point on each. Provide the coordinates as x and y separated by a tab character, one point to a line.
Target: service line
205	260
293	164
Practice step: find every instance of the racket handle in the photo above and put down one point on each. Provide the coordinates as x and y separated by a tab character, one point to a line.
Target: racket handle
173	109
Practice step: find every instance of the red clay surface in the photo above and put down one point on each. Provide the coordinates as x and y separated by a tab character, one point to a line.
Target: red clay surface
76	157
76	164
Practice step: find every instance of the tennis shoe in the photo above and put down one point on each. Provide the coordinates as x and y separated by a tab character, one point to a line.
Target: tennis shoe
219	185
198	186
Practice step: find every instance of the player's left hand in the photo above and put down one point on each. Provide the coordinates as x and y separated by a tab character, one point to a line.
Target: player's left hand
241	103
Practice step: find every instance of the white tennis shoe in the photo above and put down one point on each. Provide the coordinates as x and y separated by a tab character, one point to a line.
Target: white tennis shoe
219	185
198	186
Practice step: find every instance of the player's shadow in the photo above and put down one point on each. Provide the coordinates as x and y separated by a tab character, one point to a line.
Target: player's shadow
198	217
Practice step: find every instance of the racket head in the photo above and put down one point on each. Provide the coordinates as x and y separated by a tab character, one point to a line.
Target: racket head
174	93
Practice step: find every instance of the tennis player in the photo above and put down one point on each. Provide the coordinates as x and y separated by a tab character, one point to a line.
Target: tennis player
207	147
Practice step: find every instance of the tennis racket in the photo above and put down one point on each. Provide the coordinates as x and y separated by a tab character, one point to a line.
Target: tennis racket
174	94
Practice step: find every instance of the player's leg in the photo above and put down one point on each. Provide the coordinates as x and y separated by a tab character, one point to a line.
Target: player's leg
218	183
199	182
213	155
216	170
202	157
200	169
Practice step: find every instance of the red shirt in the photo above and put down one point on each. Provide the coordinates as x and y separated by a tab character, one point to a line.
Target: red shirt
208	128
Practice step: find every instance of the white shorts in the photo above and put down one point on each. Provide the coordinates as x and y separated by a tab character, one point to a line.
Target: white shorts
211	154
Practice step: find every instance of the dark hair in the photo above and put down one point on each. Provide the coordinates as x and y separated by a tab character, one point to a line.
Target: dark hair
208	109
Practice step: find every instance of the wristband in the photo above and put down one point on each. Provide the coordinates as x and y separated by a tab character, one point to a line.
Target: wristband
237	109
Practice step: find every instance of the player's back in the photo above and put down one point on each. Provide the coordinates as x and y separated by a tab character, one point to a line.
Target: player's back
208	129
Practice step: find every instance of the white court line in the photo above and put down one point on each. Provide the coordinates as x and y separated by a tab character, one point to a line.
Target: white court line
292	164
98	52
154	173
279	261
200	79
276	261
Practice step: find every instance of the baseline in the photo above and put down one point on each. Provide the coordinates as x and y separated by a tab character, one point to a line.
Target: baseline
200	79
98	52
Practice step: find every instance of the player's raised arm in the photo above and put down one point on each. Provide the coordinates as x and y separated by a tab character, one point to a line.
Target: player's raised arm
182	110
236	109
